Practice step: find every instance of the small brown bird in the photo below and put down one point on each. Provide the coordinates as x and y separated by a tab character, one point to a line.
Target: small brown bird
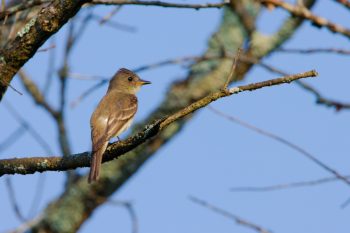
113	115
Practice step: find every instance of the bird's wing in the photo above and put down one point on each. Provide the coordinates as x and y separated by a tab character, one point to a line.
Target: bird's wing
121	116
111	123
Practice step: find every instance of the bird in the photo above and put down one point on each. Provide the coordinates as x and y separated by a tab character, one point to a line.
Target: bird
113	115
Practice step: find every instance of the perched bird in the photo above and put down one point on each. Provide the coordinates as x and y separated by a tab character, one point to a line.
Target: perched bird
113	115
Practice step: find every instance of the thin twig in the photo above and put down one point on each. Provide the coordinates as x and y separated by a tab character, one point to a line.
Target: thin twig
115	25
291	185
12	138
13	200
314	50
75	102
41	164
233	217
233	68
35	134
15	90
36	94
50	67
52	46
109	15
345	203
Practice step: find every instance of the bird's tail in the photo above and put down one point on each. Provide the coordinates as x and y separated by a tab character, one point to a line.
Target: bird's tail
96	162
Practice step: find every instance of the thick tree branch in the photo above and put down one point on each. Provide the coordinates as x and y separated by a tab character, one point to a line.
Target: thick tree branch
29	39
39	164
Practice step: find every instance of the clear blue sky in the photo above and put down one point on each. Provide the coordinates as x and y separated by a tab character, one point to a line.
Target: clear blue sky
210	155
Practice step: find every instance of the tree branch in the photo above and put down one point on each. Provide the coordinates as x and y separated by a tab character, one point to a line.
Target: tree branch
303	12
40	164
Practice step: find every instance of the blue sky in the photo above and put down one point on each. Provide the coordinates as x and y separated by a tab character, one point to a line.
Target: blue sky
211	154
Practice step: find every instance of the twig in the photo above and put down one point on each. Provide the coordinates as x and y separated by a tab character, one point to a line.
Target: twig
36	136
13	200
41	164
233	217
12	138
306	14
159	3
233	68
115	25
315	50
87	77
109	15
291	185
34	91
15	90
50	68
285	142
345	203
52	46
75	102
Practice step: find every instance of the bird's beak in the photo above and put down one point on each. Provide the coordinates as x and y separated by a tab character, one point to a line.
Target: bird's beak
144	82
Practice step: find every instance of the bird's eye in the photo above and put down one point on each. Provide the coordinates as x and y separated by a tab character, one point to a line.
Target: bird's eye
130	79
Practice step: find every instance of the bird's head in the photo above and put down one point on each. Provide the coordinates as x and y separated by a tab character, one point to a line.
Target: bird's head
126	81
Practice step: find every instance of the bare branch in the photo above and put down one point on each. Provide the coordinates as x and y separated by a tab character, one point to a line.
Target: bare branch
235	218
303	12
40	164
159	3
36	94
233	68
285	142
